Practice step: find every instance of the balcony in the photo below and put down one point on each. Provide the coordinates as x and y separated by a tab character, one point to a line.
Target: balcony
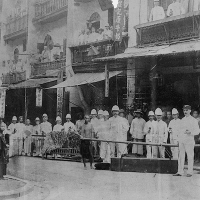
169	30
14	77
16	28
84	54
50	10
42	68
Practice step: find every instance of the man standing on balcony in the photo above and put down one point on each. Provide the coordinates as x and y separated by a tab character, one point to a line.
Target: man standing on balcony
157	12
175	8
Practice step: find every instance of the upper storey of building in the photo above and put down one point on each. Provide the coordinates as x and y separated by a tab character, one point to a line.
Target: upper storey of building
167	21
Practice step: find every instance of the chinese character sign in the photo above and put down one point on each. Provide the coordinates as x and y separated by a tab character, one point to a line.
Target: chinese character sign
119	21
38	97
2	102
59	101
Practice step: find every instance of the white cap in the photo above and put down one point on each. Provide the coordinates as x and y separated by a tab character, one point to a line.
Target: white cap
100	112
68	116
37	119
115	108
93	112
151	113
44	115
58	118
158	111
105	113
174	111
14	118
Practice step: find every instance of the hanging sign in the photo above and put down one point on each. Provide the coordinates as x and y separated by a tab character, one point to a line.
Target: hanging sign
2	102
38	97
60	93
119	21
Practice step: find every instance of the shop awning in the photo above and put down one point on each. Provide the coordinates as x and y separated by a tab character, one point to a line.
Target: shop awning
32	83
154	51
85	78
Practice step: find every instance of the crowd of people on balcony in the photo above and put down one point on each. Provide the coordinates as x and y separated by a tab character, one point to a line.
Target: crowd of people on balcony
91	35
174	9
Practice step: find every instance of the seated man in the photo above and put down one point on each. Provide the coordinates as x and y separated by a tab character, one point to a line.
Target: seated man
157	12
175	8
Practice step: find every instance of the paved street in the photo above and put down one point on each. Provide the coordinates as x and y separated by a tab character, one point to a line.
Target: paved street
68	180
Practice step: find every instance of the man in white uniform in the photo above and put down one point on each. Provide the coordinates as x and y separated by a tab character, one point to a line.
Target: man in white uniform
160	134
174	131
175	8
58	127
137	127
20	128
68	125
13	142
149	131
189	128
46	127
157	12
100	115
118	127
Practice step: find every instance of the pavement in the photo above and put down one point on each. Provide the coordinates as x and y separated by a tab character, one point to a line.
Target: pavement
62	180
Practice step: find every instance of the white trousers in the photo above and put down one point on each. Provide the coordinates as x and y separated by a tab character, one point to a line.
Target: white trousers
149	149
174	150
27	145
121	149
105	152
189	150
158	150
137	149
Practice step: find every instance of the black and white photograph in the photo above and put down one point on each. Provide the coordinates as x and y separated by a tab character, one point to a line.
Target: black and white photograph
100	99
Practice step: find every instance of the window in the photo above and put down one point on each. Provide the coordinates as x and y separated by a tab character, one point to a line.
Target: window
24	45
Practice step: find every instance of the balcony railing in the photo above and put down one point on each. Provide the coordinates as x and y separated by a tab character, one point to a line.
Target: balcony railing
14	77
84	54
16	27
169	30
50	10
42	68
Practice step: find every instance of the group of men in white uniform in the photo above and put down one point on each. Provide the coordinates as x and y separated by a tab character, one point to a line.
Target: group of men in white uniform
182	132
28	134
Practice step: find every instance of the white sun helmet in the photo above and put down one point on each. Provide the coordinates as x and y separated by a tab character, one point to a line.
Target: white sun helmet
105	113
14	118
68	116
58	118
100	112
158	111
93	112
115	108
151	113
174	111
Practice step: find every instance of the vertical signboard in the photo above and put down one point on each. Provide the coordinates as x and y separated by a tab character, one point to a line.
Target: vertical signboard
106	80
60	93
2	102
38	97
119	21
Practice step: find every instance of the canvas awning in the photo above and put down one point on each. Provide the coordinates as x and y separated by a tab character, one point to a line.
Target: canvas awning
85	78
32	83
154	51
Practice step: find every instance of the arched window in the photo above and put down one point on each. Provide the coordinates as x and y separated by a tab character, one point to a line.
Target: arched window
94	21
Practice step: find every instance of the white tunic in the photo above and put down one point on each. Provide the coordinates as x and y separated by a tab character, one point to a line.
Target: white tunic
46	127
20	130
58	127
190	124
157	13
161	132
176	8
118	126
175	125
137	127
149	129
68	125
